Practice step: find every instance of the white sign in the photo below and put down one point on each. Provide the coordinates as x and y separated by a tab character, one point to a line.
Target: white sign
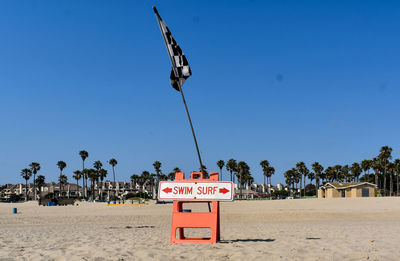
196	191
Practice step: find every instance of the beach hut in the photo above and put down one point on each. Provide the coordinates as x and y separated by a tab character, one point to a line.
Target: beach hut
347	190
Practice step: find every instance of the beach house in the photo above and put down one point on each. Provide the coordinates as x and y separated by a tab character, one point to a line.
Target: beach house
347	190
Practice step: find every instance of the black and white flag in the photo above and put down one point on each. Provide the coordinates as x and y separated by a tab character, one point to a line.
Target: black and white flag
180	66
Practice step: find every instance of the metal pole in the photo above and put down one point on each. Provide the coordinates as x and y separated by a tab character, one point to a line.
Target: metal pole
191	127
194	137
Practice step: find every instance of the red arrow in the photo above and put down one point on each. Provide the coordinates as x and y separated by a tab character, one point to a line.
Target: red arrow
167	190
223	191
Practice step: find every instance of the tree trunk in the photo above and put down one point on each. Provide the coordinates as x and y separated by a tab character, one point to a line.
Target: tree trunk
240	185
84	181
304	193
269	187
384	182
115	189
34	187
293	188
26	190
391	184
398	183
376	181
77	189
301	184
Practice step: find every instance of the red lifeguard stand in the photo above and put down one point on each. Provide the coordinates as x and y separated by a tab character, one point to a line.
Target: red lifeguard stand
182	220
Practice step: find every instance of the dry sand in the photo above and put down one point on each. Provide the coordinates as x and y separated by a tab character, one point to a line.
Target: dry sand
307	229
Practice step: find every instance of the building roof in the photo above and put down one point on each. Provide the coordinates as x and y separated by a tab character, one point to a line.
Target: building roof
343	185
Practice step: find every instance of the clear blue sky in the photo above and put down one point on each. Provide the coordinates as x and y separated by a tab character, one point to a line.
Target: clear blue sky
285	81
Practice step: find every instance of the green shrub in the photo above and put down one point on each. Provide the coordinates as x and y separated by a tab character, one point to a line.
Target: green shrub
279	193
49	195
15	198
310	190
137	195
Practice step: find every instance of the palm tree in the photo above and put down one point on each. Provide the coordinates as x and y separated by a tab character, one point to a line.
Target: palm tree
264	165
247	180
113	162
220	165
345	173
62	180
40	182
77	176
61	165
356	170
26	174
145	177
134	180
93	176
297	179
377	167
385	155
171	175
318	169
329	173
84	155
311	176
97	165
337	169
102	174
163	177
231	166
397	163
85	176
366	166
157	168
302	169
270	171
35	167
289	180
391	167
242	170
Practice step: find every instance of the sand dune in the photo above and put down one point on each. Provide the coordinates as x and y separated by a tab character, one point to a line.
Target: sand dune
310	229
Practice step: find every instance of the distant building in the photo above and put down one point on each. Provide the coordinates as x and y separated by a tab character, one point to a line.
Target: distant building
280	186
347	190
246	194
104	190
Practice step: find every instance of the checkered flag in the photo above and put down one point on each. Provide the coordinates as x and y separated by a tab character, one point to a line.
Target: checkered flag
180	66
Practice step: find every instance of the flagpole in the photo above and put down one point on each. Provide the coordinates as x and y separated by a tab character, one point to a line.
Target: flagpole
180	90
191	127
183	97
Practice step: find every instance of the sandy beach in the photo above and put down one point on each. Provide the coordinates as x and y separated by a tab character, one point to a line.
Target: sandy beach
306	229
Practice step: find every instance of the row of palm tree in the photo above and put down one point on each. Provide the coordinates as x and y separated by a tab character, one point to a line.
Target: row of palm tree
26	174
239	169
381	165
94	175
153	179
296	177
